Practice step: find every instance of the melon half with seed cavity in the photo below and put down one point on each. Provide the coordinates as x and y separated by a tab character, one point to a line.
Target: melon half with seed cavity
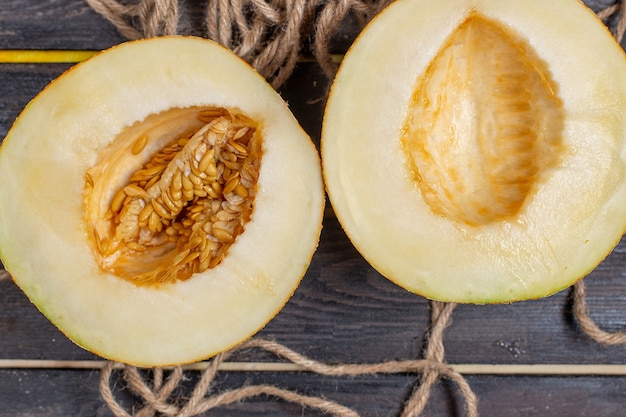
474	150
159	202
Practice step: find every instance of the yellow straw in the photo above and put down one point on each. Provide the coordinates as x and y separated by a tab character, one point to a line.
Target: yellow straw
29	56
22	56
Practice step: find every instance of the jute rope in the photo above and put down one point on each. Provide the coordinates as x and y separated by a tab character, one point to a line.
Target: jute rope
157	395
269	34
619	10
332	14
586	323
146	19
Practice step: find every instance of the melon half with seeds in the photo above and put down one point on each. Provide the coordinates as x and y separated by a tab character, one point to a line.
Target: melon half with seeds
474	150
159	202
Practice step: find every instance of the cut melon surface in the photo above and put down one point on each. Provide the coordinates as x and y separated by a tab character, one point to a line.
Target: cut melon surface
474	150
145	293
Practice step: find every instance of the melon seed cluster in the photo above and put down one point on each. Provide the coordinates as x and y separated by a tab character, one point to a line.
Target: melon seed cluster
181	212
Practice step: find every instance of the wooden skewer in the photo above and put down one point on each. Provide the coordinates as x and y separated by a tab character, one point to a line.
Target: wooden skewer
541	369
466	369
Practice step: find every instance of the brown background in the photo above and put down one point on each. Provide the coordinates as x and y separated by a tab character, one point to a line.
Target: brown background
343	311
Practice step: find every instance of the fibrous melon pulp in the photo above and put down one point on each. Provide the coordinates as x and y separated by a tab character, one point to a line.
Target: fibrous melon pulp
159	202
474	150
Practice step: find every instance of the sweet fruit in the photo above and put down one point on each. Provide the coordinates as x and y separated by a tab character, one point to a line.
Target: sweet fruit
159	202
474	150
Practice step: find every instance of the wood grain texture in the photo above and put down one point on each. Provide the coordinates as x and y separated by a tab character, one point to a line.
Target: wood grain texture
28	393
55	24
343	312
71	24
19	83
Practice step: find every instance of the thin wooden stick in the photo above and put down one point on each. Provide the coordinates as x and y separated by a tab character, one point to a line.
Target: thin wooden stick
541	369
464	368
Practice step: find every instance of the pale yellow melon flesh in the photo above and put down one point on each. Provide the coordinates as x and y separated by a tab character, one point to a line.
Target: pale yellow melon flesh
47	214
474	151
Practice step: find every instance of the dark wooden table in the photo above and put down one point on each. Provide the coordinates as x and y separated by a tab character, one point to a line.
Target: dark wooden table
343	312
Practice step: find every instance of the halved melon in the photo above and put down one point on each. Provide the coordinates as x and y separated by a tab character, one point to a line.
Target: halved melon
474	150
159	202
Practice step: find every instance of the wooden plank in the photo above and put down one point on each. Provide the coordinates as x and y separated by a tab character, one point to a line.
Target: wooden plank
74	393
19	84
343	312
57	24
72	24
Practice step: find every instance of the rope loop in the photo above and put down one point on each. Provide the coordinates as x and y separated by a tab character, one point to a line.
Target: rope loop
586	323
